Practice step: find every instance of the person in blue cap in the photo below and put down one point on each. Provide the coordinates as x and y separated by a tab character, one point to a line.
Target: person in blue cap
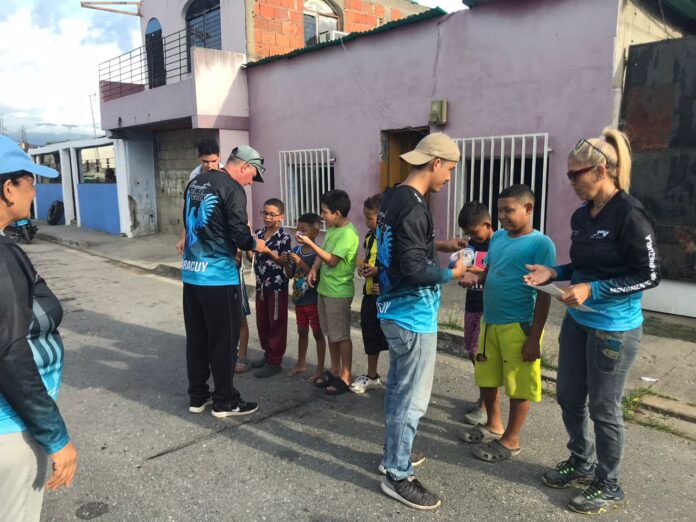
31	357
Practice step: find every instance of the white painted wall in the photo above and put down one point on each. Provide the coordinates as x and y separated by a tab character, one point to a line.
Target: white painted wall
168	102
233	25
67	172
672	297
75	181
141	192
220	83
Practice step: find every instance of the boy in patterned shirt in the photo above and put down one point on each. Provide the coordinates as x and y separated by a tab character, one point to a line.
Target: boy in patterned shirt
272	289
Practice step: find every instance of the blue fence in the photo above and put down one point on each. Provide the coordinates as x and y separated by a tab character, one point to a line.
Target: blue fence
99	207
47	193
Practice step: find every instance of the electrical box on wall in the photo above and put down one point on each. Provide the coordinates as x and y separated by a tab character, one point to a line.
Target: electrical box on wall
438	112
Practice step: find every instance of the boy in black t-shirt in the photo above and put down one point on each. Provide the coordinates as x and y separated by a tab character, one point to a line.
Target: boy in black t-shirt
373	337
475	221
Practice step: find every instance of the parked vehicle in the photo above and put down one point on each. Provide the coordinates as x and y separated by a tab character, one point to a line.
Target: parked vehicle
23	231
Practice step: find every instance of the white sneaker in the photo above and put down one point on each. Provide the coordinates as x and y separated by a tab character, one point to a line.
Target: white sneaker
363	383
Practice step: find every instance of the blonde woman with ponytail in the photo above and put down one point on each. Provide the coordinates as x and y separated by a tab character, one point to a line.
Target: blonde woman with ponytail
613	260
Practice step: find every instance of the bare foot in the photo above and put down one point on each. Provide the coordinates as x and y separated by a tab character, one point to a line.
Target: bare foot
295	370
317	375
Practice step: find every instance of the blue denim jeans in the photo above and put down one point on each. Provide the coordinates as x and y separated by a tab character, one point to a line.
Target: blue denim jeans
593	366
410	381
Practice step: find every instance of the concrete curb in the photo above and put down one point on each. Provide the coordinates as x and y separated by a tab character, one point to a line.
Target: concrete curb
669	407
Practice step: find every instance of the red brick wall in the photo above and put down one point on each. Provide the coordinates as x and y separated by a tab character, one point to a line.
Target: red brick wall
278	29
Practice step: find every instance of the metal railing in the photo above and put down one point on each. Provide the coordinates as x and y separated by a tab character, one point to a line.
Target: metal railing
490	164
304	176
161	61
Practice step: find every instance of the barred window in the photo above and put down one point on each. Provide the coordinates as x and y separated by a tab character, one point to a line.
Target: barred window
304	176
490	164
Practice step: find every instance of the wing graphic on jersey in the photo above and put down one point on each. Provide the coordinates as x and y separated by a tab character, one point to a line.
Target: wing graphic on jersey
195	221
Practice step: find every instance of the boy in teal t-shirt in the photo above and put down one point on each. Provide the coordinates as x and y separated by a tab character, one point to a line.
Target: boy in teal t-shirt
335	264
509	348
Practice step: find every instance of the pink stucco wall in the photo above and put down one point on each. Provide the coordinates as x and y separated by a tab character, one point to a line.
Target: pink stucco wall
507	67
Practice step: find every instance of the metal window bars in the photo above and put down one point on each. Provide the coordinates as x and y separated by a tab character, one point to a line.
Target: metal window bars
490	164
304	176
161	61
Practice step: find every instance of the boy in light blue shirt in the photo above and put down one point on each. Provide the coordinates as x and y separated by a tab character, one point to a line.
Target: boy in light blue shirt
514	315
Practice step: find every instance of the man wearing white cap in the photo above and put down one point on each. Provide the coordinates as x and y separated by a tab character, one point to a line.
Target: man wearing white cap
409	281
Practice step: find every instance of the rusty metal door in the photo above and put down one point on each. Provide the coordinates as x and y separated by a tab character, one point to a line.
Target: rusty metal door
658	114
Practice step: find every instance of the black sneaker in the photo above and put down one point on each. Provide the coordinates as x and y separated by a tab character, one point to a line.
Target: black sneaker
598	498
198	406
410	492
568	474
242	408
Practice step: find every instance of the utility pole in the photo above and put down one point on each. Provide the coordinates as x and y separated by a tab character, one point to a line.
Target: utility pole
94	125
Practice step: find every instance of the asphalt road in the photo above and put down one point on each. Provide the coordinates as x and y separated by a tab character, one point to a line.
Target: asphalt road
304	456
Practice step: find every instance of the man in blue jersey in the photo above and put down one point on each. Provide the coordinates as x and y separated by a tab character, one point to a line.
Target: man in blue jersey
215	221
409	282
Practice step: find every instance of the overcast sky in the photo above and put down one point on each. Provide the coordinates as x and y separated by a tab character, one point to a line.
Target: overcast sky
50	51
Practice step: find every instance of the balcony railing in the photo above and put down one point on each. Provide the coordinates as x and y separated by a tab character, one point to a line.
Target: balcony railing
161	61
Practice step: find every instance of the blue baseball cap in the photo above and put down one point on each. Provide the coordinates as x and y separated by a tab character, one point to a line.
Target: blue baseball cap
14	159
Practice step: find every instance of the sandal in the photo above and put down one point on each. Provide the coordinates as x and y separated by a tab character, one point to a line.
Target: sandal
340	387
494	452
478	434
243	365
324	380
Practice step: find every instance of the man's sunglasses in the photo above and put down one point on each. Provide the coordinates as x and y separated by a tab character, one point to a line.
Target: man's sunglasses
260	167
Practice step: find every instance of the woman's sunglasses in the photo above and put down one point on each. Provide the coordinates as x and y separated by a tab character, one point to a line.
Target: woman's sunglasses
573	174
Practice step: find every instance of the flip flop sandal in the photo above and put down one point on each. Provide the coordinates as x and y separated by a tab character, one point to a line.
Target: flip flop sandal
242	366
478	434
340	387
324	380
494	452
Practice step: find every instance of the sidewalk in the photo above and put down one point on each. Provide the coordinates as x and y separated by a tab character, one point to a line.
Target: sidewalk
665	366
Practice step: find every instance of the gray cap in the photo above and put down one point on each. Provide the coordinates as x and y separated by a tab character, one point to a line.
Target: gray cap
250	156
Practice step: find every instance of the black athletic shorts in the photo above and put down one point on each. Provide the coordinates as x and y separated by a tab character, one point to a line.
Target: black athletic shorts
373	337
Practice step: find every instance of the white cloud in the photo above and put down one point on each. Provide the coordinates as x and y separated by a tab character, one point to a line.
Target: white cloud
49	65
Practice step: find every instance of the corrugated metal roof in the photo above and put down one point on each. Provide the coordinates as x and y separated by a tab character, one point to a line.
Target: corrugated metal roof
420	17
685	8
474	3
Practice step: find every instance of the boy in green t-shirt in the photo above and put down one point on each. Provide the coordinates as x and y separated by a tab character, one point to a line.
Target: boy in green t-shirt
336	261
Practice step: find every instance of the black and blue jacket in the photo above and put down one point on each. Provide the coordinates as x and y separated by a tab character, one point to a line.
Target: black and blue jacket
409	272
616	253
31	351
216	225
